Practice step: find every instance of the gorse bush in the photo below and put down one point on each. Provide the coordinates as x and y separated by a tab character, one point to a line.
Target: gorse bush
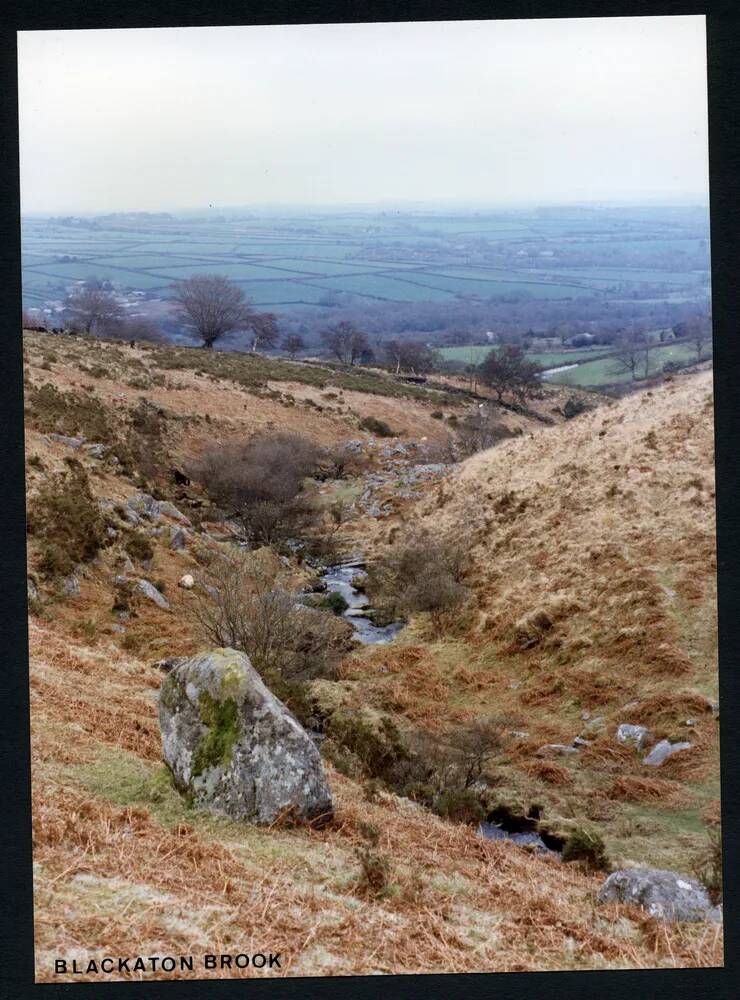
66	521
51	410
375	426
587	848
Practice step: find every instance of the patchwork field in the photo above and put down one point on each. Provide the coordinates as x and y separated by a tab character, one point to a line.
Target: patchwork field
286	263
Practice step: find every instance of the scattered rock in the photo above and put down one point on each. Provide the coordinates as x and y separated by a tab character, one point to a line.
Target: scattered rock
71	442
662	751
71	585
637	736
33	590
580	742
551	749
96	450
179	539
150	591
118	629
585	716
519	734
234	747
169	510
664	894
144	505
187	582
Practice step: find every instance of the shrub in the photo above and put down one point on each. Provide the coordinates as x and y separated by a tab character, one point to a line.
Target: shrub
573	407
437	415
139	547
69	413
477	432
588	848
375	426
459	804
424	575
67	522
261	481
243	606
375	871
708	863
333	602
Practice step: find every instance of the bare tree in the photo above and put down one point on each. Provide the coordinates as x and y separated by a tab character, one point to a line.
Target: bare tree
630	354
699	332
410	355
214	306
345	342
507	370
293	343
92	309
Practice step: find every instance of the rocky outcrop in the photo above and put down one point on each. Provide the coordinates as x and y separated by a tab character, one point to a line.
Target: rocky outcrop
235	747
151	592
664	894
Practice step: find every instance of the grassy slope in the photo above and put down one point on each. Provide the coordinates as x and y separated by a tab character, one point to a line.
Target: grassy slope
124	867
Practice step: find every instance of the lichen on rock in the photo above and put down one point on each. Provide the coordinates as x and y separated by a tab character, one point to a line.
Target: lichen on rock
234	747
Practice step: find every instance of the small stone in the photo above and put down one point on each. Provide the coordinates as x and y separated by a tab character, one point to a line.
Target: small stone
585	716
580	742
96	450
151	592
662	751
119	629
187	582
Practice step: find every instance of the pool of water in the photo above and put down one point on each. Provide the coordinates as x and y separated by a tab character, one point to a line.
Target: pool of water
338	580
493	831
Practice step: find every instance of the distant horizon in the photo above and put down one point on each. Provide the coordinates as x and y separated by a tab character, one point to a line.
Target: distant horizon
697	201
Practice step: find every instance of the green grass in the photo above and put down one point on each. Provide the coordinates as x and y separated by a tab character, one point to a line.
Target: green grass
603	372
548	359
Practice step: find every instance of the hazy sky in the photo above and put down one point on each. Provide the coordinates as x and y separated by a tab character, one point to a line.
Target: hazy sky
492	112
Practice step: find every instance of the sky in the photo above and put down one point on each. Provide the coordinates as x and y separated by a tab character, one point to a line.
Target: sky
477	113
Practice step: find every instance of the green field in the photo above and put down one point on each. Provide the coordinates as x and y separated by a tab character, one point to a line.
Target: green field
603	372
548	359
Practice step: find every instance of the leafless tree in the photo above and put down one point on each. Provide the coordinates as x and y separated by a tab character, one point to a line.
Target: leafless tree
410	355
214	306
630	353
698	329
507	370
293	343
91	309
345	342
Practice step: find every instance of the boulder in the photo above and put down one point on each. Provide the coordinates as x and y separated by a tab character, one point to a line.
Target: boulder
151	592
637	736
178	539
662	751
71	442
144	505
234	747
664	894
187	582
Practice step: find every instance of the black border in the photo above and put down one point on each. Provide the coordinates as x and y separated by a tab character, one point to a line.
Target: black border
16	909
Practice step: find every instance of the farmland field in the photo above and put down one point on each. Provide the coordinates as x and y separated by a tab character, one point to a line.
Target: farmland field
289	263
548	359
604	371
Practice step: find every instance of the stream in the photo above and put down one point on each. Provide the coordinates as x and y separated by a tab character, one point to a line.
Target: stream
338	580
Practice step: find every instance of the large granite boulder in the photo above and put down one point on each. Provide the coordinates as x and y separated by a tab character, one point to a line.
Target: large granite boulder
664	894
235	747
